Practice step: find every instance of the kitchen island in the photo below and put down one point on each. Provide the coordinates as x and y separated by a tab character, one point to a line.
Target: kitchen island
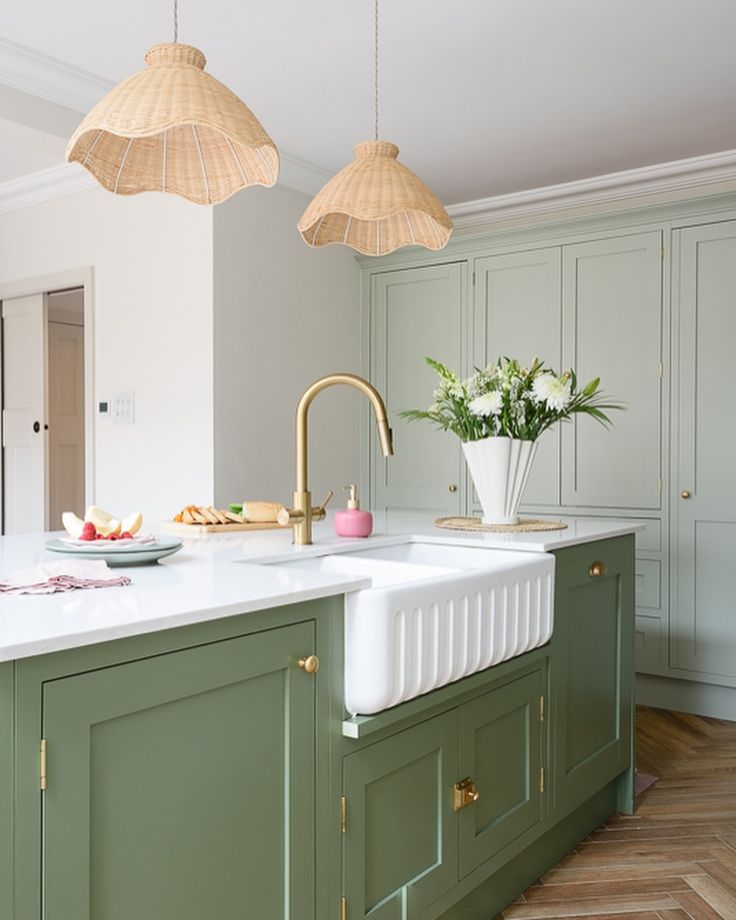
194	764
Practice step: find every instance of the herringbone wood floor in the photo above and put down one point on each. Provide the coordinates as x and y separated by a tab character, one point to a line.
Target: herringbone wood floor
675	859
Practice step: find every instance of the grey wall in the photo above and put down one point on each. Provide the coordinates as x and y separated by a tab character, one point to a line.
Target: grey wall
284	315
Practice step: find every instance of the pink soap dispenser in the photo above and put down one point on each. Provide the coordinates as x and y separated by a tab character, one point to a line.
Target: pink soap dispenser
353	522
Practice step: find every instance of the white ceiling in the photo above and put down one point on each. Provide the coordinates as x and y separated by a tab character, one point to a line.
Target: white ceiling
484	97
25	150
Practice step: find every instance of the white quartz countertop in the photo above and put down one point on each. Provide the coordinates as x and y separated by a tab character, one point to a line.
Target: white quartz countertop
223	575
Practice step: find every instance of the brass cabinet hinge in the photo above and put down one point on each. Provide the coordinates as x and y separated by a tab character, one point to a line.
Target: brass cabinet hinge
344	908
661	486
660	370
42	765
541	709
473	277
343	813
541	779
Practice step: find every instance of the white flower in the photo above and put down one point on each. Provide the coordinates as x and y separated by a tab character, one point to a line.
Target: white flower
555	391
488	404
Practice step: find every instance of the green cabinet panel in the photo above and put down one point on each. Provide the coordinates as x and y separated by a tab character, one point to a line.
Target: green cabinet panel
414	314
518	313
703	634
400	844
593	648
182	786
612	320
500	737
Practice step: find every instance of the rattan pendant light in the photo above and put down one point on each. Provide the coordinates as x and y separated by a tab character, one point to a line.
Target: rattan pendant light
375	204
173	128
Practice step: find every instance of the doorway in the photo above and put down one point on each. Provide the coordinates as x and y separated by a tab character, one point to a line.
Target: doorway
46	398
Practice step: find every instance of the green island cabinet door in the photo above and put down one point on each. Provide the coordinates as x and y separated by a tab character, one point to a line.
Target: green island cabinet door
181	787
592	676
500	737
400	841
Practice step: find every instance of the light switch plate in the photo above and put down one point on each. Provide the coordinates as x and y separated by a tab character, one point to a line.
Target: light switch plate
123	408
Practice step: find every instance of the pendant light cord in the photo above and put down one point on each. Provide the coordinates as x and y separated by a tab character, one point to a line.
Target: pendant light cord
176	21
375	66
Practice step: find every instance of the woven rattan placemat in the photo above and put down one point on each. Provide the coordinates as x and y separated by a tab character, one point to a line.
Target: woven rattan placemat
525	525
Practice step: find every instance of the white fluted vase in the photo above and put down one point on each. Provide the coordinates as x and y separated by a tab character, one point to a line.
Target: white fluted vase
500	469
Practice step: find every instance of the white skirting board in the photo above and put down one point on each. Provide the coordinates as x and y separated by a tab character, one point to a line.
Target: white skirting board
686	696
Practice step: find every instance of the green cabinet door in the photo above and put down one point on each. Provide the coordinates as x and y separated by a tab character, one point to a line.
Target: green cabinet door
400	843
703	634
593	671
416	313
500	750
181	787
517	313
612	329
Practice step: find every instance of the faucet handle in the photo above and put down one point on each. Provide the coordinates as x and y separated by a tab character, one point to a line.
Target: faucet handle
319	512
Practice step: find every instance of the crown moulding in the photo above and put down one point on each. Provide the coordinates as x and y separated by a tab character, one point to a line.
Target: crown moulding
50	79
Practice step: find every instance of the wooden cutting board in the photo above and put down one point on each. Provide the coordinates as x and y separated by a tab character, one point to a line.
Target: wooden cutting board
200	530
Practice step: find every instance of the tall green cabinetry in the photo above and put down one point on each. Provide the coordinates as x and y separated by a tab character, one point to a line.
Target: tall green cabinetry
202	772
645	301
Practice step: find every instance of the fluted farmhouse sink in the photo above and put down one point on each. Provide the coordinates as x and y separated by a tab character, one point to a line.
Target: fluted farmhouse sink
434	613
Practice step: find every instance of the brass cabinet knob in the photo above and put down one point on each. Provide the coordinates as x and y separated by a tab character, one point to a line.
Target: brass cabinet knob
464	794
684	494
452	488
597	569
309	664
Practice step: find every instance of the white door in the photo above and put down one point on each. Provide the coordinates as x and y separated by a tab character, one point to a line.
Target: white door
66	421
24	414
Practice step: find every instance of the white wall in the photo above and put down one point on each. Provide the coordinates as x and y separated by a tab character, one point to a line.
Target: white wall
285	315
152	261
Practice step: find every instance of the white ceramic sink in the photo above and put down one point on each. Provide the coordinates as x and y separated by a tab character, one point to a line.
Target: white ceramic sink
434	613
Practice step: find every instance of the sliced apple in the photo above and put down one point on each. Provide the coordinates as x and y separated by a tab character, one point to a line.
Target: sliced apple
72	524
132	523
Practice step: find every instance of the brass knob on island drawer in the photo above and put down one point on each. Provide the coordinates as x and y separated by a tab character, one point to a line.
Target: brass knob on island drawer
309	664
684	494
597	569
452	488
464	794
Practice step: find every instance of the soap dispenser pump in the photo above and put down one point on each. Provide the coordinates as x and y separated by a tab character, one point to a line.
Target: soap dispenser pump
352	522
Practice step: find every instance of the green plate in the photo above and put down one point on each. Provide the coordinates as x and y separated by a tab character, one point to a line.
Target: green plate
132	554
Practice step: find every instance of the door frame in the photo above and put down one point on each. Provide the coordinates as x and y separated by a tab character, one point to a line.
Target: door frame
45	284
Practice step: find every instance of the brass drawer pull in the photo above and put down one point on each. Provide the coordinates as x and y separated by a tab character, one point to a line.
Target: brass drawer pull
464	794
309	664
452	488
684	494
598	569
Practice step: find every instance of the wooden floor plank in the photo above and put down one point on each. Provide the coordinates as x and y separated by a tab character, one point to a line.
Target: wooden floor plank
675	859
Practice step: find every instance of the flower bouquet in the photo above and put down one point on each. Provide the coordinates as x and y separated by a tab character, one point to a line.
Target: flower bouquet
499	413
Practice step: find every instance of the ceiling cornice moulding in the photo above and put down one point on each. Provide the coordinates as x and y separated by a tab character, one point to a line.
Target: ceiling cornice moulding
627	186
42	186
48	78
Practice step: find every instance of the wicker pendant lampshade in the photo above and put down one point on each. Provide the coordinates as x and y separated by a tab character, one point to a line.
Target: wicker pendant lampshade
173	128
375	204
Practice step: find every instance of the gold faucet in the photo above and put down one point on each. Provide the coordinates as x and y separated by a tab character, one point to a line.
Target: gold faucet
302	514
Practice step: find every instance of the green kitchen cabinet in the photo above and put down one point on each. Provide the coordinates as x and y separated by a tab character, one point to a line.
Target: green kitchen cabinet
592	704
518	314
415	314
176	774
400	841
703	627
409	837
612	329
501	744
182	786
